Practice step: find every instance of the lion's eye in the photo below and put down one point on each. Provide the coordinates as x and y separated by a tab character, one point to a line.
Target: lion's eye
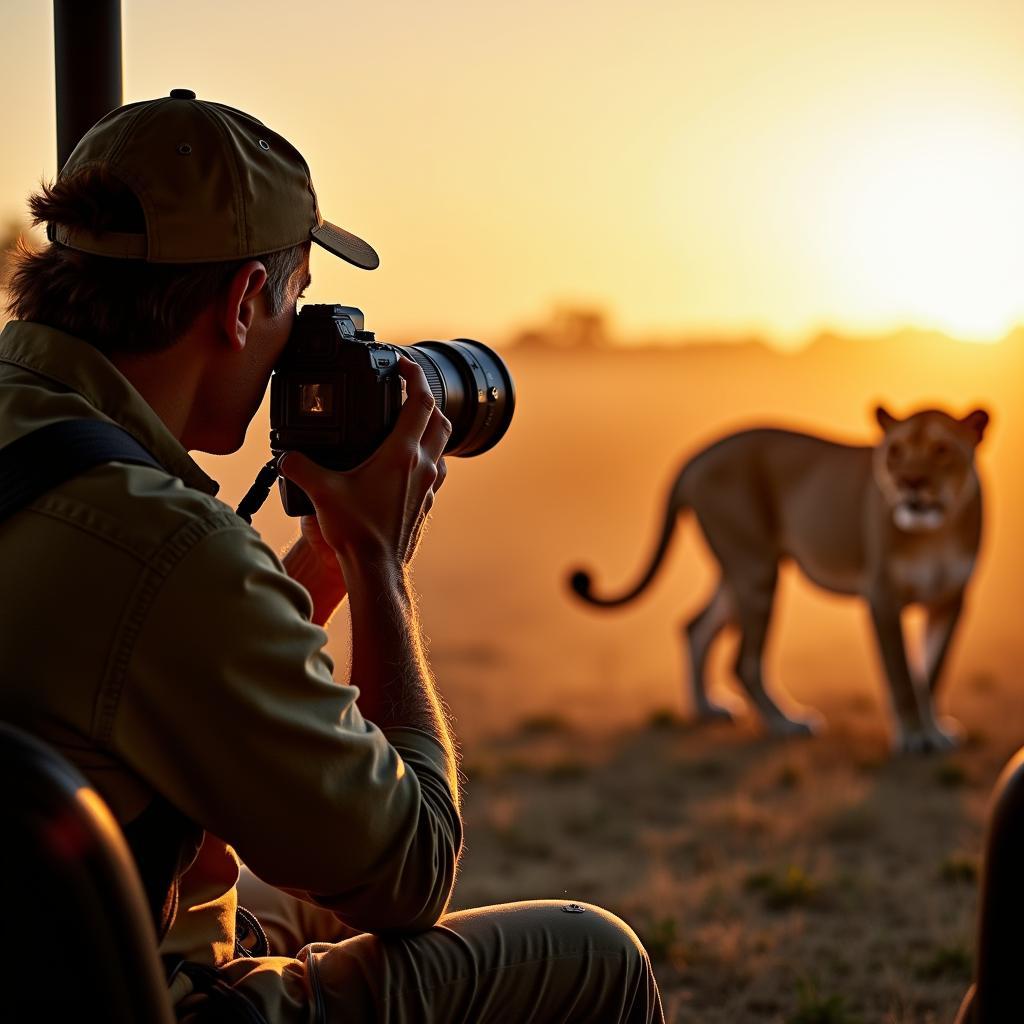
940	451
895	452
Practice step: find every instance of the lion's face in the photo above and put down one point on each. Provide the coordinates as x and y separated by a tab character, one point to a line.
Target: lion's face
924	464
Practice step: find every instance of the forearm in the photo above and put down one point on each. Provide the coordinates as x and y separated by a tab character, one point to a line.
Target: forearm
326	587
388	661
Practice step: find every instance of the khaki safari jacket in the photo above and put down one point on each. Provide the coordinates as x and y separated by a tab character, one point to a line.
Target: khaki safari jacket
151	637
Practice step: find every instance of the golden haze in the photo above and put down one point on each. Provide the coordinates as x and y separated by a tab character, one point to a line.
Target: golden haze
694	166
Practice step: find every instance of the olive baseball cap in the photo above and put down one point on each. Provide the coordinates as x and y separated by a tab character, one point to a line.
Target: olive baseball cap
213	182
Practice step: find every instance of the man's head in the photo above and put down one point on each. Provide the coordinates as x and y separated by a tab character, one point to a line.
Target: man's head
181	225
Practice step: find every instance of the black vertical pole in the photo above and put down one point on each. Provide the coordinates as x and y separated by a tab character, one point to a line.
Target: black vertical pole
87	51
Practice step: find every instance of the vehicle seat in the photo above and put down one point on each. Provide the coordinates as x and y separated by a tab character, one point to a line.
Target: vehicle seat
77	938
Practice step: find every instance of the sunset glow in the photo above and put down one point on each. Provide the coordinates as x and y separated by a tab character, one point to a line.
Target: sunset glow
690	168
929	217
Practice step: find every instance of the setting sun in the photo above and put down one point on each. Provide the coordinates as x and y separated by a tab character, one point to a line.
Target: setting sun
929	216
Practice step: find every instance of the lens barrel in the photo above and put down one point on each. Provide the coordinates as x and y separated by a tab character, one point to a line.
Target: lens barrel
472	387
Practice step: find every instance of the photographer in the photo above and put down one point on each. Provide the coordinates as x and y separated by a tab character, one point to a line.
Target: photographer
185	671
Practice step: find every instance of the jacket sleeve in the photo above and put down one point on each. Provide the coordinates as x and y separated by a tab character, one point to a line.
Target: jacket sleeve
230	710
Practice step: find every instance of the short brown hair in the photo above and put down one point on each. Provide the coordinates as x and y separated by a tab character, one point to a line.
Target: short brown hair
120	305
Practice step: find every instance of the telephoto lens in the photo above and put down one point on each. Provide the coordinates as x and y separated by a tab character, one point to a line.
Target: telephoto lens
472	387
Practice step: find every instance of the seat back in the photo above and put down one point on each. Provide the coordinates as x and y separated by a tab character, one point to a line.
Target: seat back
77	940
998	992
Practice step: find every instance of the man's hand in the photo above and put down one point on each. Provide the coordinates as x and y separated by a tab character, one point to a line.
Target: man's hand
312	562
374	514
372	517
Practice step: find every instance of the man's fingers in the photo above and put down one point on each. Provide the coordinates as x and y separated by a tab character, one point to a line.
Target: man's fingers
435	437
302	471
418	408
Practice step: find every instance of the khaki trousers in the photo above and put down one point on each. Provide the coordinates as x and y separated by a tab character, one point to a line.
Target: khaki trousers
514	963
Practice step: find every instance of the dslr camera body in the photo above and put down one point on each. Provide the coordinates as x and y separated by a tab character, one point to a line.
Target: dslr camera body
336	393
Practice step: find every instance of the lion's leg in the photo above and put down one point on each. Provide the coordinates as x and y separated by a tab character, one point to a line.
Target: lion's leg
917	729
699	634
754	607
940	625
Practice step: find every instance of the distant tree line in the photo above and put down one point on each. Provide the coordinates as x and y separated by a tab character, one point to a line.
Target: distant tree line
570	327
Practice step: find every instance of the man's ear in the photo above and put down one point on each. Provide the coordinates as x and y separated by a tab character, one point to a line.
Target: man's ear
885	419
240	302
976	422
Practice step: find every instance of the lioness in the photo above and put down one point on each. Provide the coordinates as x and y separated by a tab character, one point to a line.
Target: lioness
897	524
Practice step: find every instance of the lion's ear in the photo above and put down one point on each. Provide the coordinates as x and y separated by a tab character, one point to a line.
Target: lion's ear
976	422
886	420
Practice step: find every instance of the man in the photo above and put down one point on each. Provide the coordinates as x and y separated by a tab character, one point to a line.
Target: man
187	676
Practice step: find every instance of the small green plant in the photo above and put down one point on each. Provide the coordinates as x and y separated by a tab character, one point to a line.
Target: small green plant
952	961
793	887
959	869
664	718
951	774
813	1008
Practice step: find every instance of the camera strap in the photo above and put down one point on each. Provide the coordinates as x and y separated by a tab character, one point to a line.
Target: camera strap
257	495
43	459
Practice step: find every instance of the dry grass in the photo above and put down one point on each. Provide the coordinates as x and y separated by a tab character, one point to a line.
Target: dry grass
812	882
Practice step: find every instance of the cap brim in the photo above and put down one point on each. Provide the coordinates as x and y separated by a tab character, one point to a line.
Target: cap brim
346	245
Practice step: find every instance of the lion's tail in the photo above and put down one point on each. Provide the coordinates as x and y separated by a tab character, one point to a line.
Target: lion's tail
580	579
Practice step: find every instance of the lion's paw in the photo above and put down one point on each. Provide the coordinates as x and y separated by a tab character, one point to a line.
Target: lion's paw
936	737
711	712
808	724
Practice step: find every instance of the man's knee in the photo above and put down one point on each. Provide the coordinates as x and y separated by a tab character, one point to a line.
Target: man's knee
594	957
617	967
602	931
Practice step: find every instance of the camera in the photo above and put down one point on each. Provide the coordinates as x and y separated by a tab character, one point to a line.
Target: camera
336	393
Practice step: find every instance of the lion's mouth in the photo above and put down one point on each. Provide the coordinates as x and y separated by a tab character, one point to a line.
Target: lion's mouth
915	514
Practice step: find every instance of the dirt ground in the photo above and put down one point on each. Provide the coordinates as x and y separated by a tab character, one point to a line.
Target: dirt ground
798	882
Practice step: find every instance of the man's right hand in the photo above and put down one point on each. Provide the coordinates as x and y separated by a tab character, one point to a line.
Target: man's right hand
373	514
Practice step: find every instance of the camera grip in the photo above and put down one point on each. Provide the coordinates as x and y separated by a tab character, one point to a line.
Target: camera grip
294	499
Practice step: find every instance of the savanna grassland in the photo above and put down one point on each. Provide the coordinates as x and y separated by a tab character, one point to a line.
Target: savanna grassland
811	882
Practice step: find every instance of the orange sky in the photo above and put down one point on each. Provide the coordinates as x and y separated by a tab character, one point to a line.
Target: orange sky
730	166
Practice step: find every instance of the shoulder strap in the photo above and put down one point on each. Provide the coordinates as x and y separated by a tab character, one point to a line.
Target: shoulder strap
41	460
29	467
